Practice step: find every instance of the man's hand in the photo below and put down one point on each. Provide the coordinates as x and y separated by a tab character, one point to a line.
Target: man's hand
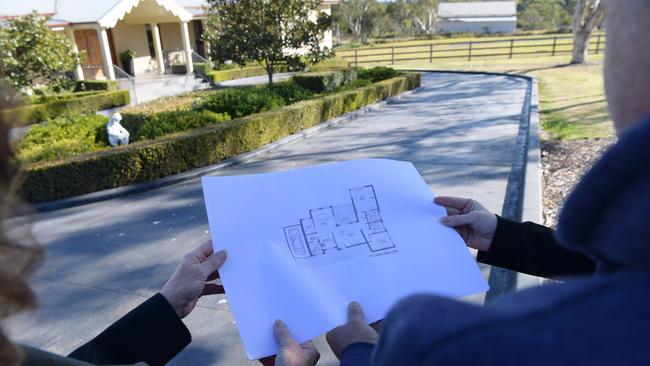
291	353
191	277
355	330
475	224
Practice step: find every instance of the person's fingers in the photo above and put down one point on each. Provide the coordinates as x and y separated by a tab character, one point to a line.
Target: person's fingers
453	211
213	262
268	361
459	220
213	276
376	325
455	202
313	353
204	250
282	334
355	312
212	289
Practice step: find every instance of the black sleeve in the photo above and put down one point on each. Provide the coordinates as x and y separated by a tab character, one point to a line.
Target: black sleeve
151	333
531	248
357	354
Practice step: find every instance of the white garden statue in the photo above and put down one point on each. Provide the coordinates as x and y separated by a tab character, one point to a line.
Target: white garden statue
117	135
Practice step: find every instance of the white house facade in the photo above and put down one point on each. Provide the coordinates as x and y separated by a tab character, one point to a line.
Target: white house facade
477	17
159	32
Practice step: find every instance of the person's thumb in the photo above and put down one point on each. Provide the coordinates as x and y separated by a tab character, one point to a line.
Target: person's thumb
213	262
355	312
459	220
282	334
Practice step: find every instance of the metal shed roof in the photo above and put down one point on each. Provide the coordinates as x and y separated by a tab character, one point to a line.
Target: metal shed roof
483	9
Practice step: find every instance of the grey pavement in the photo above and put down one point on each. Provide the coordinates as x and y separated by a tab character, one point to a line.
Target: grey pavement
105	258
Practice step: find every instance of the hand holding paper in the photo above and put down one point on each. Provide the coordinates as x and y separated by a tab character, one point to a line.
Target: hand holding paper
325	236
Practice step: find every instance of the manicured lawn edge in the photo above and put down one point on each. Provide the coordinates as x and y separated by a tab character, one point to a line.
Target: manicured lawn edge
84	104
148	160
246	72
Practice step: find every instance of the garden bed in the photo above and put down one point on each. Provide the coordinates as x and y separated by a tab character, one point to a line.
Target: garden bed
211	138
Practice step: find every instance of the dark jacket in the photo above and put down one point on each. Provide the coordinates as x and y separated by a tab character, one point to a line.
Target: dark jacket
588	319
151	333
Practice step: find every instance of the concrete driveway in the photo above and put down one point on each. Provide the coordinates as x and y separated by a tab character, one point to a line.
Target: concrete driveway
103	259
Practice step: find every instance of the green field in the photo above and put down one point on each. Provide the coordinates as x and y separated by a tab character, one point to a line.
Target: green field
572	97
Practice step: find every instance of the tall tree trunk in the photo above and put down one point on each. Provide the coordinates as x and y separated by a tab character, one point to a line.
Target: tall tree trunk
587	16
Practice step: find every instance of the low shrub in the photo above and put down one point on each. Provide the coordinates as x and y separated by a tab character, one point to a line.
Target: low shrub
290	92
239	102
102	85
147	160
318	82
166	123
377	73
179	69
84	104
62	138
224	75
47	98
202	68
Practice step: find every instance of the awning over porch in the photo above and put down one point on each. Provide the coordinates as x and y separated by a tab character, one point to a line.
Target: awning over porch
144	12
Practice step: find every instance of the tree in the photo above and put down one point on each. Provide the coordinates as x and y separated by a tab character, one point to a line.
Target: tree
359	16
425	16
267	31
544	14
31	53
588	15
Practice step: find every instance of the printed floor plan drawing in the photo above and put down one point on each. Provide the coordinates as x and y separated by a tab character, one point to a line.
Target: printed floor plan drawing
350	228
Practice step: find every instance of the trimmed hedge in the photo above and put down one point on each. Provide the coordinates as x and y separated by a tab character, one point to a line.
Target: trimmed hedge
147	160
102	85
84	104
318	82
246	72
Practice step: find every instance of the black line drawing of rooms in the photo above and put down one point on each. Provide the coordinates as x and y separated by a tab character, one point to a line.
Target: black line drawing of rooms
335	229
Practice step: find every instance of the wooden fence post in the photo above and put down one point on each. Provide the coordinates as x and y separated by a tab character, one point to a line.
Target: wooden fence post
554	43
431	53
512	41
469	55
356	57
392	55
598	44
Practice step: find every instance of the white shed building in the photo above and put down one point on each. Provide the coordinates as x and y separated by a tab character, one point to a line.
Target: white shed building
477	17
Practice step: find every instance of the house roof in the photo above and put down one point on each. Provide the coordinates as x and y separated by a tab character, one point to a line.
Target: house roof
482	9
106	12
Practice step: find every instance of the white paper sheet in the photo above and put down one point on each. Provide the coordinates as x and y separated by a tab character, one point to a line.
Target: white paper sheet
304	243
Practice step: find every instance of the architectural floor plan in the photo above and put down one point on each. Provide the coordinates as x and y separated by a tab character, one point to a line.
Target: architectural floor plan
349	228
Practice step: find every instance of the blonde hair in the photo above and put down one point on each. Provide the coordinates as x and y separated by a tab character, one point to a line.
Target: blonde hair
19	256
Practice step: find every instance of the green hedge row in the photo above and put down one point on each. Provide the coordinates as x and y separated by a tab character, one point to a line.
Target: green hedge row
84	104
246	72
318	82
88	85
147	160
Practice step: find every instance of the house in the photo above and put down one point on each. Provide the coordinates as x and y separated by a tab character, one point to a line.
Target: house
160	32
477	17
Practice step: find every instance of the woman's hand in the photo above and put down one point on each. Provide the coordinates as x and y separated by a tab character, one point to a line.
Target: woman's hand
190	279
291	353
475	224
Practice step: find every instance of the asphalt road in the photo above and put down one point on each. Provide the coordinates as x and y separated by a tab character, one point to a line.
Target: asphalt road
105	258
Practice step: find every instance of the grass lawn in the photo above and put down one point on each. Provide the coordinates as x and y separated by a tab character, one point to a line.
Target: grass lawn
572	98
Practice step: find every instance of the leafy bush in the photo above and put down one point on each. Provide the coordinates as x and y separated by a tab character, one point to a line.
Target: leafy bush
62	138
377	73
202	68
147	160
318	82
239	102
47	98
290	92
86	103
87	85
166	123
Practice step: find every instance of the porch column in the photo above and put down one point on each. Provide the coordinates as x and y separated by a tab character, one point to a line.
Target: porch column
185	34
106	54
78	71
157	45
